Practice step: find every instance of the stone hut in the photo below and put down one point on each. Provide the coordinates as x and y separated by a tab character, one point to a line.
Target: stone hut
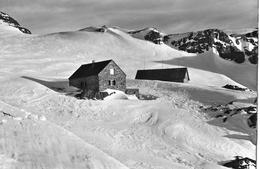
99	76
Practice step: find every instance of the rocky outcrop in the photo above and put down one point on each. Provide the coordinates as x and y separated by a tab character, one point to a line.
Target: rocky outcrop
234	87
6	19
241	163
239	48
149	34
250	45
226	112
95	29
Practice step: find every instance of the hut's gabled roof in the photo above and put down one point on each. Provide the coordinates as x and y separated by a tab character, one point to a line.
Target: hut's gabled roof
89	69
172	74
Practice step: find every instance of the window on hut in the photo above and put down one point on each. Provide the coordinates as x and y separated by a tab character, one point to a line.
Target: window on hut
111	82
112	71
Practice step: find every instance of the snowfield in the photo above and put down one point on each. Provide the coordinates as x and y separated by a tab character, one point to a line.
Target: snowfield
60	131
43	126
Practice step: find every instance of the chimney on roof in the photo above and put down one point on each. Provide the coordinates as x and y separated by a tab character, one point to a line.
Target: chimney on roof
93	63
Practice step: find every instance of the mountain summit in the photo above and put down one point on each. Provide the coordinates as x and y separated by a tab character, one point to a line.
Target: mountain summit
150	34
7	21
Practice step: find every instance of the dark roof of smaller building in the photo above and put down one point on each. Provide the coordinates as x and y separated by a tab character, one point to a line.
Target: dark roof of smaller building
171	74
90	69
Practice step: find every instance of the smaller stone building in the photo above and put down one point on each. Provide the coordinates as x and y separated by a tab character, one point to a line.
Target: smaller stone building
99	76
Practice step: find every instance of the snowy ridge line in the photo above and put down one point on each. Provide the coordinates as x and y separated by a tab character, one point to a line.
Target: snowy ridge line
122	166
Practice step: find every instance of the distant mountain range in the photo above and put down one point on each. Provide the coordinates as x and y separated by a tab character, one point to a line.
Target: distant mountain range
239	48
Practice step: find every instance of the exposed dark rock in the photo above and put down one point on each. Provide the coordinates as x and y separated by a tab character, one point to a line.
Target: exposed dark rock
249	110
202	41
166	39
24	30
147	97
238	57
252	34
132	91
90	94
12	22
219	115
241	163
154	37
252	120
151	34
253	55
6	114
226	111
234	87
224	119
95	29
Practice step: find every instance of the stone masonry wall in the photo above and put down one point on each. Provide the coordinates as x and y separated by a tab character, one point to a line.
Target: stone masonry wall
119	77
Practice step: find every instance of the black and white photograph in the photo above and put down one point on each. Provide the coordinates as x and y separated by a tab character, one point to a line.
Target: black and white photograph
128	84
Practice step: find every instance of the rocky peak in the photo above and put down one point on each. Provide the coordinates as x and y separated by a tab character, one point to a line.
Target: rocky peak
197	42
149	34
6	19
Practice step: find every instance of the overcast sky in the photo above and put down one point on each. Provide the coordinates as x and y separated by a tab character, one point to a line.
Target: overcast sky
170	16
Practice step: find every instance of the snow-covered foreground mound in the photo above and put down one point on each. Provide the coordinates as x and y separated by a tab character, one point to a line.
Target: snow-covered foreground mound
169	132
31	142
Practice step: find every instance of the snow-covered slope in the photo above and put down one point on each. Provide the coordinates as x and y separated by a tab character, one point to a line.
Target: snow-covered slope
60	54
7	23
